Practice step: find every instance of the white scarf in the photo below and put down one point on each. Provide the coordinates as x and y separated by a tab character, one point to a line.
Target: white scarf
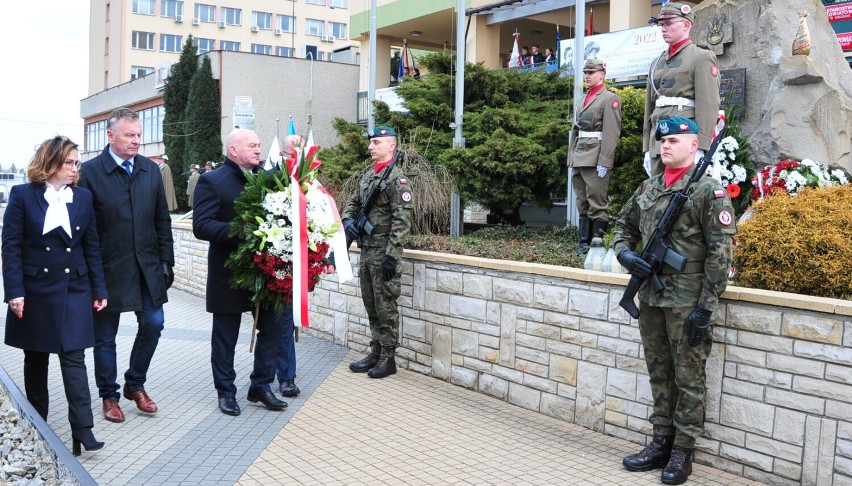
57	211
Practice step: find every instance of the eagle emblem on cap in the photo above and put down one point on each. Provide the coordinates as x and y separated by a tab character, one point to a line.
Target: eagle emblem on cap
664	127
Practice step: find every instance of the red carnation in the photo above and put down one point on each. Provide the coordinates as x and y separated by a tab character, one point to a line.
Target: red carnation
733	190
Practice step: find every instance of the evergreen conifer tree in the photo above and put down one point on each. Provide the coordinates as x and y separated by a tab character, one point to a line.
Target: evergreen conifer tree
175	98
203	118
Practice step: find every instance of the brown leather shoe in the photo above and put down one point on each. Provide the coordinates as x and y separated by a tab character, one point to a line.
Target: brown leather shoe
143	401
112	412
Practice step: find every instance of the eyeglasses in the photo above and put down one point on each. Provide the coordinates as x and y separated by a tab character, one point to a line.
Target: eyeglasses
72	164
668	23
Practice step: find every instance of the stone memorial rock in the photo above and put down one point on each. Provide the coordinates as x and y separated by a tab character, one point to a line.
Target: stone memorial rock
796	106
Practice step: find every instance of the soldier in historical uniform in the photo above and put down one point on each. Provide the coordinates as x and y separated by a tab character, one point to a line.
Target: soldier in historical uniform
592	152
682	82
675	323
381	252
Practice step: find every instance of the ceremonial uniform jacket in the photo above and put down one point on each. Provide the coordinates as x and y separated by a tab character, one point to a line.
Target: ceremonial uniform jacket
690	73
390	213
59	276
702	234
601	114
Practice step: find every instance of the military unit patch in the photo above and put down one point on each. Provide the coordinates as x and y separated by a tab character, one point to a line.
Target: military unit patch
714	70
725	217
406	196
615	104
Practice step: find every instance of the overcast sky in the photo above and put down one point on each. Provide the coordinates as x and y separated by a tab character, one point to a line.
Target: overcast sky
45	58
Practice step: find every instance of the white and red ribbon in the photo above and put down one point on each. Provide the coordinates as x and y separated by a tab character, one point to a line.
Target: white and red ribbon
300	254
342	264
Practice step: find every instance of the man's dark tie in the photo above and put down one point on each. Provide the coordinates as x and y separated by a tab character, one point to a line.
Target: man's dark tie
128	166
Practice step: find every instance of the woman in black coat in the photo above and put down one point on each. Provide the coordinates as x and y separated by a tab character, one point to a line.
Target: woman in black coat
52	263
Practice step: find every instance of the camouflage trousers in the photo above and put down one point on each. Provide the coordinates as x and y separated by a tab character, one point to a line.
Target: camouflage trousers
380	296
676	372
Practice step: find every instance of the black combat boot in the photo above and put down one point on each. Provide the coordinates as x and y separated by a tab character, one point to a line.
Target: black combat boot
369	361
679	468
585	235
599	227
386	365
654	455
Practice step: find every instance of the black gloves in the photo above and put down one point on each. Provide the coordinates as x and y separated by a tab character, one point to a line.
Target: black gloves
388	268
350	229
168	274
697	325
634	262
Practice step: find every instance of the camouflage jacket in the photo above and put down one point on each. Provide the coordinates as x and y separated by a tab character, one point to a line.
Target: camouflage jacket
702	233
390	213
690	73
602	114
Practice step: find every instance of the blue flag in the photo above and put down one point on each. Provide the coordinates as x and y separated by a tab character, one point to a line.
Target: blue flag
292	129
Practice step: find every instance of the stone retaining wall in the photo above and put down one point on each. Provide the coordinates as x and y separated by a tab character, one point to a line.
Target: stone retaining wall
554	340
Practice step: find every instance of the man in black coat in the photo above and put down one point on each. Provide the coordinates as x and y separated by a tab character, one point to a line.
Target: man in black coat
212	212
135	233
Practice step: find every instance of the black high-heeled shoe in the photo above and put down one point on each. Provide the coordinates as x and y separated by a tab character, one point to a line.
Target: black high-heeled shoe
87	439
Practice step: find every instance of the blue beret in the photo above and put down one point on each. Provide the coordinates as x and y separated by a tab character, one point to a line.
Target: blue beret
675	126
381	131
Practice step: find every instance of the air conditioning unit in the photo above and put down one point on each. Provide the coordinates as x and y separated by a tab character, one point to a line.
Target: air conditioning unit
332	38
178	18
196	21
279	31
221	24
324	38
255	28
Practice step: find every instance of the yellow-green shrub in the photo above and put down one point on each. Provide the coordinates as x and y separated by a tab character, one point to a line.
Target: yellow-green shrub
800	244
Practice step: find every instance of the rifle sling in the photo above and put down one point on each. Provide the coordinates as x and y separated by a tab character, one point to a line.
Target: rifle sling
691	267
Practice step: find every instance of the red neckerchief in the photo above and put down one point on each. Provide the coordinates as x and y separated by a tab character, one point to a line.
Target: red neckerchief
674	175
674	47
378	166
592	92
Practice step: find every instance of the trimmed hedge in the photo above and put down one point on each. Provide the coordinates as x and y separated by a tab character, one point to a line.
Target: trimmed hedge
800	244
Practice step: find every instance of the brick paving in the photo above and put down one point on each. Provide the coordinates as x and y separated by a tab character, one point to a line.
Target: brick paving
344	428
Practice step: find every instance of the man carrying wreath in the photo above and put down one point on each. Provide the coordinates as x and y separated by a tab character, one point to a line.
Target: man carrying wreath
213	210
381	252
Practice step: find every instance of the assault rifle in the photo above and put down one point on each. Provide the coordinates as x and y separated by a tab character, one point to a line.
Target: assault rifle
362	224
658	250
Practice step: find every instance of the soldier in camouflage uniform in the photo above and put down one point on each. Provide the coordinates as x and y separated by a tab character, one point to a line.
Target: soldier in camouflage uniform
592	153
381	252
682	82
674	323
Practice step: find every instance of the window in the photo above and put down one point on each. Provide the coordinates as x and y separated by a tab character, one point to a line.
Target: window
229	46
320	55
106	13
338	3
315	2
152	124
261	49
262	20
204	45
286	23
337	30
170	43
314	27
284	51
106	46
96	138
232	16
171	8
143	40
205	13
143	7
139	71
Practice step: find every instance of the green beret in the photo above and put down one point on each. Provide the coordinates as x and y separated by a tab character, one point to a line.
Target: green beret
674	9
381	131
675	126
594	65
